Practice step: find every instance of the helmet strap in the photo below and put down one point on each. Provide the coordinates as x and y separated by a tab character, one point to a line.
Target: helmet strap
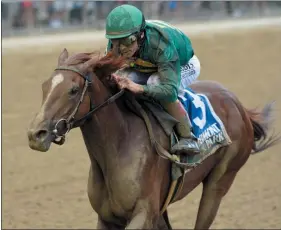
141	39
142	30
116	49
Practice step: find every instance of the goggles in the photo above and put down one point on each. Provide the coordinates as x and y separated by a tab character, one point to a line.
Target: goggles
127	41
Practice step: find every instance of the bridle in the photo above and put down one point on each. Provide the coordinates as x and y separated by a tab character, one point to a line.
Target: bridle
70	122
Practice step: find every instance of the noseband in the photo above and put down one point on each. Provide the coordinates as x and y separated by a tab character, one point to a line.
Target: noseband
70	122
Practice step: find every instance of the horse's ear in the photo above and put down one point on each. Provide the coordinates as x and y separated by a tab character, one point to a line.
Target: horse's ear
63	56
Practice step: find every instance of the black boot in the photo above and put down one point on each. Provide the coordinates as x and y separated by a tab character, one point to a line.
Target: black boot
187	141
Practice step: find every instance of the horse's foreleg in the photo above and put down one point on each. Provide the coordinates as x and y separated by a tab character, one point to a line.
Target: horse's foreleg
107	226
215	186
163	222
143	217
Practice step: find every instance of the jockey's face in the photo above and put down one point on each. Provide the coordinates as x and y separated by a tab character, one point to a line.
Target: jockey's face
127	46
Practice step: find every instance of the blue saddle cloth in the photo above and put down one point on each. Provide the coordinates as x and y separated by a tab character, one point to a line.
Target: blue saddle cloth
206	125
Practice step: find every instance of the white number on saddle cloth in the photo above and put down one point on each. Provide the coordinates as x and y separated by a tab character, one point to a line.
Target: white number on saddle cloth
198	104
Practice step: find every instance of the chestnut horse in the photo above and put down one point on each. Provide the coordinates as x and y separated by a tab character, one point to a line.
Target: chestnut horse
128	182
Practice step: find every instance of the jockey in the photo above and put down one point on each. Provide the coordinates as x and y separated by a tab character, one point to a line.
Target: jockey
162	64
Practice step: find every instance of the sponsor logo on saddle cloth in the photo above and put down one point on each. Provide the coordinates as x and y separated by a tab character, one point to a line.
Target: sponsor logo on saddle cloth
207	126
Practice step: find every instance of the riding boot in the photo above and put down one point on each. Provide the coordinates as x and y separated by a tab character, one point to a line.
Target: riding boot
187	141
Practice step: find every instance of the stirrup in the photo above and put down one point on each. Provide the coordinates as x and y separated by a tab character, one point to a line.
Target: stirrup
193	137
186	146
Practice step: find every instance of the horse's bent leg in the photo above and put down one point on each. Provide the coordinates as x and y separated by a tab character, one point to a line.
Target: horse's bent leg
215	186
211	199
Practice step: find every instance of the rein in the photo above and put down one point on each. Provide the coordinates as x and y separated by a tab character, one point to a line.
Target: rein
70	122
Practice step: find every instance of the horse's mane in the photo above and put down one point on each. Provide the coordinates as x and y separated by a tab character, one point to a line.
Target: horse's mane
102	65
80	58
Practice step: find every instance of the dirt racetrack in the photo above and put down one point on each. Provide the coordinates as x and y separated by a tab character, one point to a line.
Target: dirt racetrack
48	190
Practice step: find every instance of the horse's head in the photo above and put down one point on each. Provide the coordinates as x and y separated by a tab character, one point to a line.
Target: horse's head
66	96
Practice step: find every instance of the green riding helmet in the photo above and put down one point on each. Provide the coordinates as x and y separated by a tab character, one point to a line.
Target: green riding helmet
123	21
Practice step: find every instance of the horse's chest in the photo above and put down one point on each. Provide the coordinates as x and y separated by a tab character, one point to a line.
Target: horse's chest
117	196
123	192
117	201
121	187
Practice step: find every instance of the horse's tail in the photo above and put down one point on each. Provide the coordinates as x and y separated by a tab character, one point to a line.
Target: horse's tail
261	122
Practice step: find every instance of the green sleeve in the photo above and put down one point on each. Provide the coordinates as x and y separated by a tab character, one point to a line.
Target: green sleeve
169	70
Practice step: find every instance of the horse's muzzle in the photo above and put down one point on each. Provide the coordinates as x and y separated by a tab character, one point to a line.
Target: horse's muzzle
40	140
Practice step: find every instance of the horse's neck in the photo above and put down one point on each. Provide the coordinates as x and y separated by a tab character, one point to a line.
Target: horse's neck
107	128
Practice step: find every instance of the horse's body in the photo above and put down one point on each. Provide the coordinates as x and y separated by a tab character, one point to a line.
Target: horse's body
128	182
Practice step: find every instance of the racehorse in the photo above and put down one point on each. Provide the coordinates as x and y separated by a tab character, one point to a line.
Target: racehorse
128	182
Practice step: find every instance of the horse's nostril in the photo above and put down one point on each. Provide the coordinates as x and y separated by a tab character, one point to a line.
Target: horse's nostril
41	134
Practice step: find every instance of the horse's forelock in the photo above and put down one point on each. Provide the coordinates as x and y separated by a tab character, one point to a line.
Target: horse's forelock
109	63
115	62
108	59
103	66
80	58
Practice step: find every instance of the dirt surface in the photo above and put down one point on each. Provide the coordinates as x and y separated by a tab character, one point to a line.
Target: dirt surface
48	190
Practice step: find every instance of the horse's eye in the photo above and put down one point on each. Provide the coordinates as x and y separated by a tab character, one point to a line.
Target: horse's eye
73	91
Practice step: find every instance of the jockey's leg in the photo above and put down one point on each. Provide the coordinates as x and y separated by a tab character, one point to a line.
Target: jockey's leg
190	72
187	143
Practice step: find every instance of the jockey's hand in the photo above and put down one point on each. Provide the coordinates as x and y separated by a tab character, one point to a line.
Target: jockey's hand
126	83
